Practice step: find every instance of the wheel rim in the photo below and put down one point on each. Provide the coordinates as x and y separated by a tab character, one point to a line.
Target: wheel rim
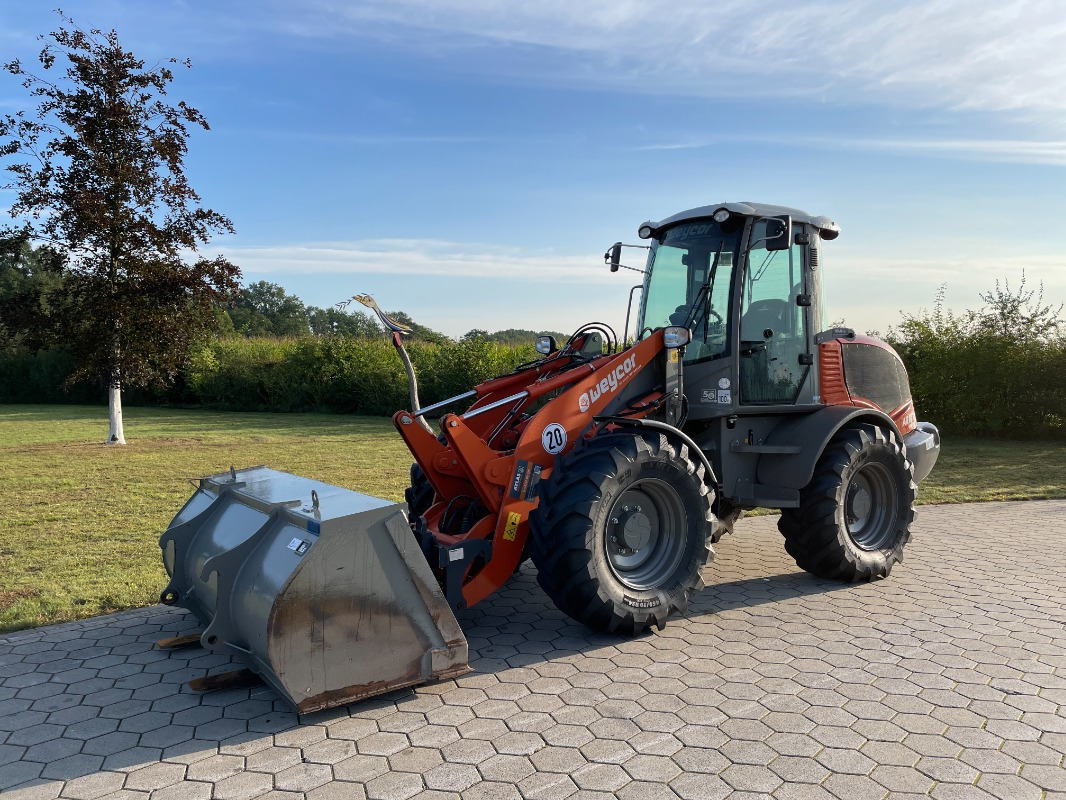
645	538
869	510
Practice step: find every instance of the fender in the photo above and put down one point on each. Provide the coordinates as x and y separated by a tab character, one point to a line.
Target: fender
812	433
675	433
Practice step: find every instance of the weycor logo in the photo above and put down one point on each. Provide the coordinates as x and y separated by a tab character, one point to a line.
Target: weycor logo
615	378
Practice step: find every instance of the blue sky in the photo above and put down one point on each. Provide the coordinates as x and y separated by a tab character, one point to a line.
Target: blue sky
468	161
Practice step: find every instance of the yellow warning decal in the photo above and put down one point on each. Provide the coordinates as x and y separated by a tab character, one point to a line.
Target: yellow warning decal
673	355
511	528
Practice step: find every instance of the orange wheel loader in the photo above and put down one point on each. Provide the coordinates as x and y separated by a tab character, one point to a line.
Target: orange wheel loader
614	465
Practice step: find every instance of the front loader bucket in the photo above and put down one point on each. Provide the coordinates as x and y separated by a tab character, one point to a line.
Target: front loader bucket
324	592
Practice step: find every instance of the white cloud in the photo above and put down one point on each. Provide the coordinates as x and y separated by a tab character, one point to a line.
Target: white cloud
960	54
548	289
418	257
871	291
1017	151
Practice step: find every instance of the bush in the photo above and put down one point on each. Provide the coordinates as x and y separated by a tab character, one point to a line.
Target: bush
1000	370
340	374
38	377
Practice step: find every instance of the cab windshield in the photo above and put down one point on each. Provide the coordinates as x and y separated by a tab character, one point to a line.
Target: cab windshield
689	282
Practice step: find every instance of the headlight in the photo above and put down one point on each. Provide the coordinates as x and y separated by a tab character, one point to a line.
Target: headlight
546	345
645	231
676	336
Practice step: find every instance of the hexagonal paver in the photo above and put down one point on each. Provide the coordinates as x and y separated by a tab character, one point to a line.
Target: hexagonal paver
360	768
558	759
243	786
89	787
303	777
699	786
394	786
451	777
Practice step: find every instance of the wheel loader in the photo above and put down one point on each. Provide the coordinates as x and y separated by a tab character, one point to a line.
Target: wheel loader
613	464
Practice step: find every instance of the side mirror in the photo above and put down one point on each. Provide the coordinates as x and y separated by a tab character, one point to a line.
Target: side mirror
778	232
613	256
676	336
546	345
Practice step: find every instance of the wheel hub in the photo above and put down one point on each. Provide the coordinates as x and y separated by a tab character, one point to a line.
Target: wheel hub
644	536
858	504
634	529
868	507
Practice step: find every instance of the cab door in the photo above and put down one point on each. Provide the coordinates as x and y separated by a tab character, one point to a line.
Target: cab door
774	349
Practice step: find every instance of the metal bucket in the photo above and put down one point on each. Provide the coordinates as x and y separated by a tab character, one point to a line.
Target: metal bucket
322	591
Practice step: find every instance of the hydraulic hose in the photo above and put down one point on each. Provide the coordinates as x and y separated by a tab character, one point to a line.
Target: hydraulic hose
412	380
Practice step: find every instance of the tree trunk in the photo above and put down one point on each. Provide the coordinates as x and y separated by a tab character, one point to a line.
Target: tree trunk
114	413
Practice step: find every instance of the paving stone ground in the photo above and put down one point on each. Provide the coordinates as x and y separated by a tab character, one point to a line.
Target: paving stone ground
947	680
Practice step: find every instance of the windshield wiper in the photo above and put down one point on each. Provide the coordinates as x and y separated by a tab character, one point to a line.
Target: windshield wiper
705	291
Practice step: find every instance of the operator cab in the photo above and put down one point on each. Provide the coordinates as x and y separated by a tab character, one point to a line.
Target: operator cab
744	278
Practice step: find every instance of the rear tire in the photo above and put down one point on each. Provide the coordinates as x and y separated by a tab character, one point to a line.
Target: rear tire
623	527
855	514
727	515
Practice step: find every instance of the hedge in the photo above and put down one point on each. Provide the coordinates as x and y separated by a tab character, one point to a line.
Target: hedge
964	379
338	374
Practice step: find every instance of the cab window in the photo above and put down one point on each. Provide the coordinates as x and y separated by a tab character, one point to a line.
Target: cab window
773	328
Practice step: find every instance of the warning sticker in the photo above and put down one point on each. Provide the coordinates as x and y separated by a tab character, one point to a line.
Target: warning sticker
510	530
299	546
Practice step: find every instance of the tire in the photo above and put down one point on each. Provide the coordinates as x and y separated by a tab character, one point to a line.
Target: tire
419	495
855	514
727	515
623	526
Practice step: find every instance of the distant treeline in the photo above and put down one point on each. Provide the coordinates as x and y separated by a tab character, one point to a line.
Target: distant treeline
996	371
265	309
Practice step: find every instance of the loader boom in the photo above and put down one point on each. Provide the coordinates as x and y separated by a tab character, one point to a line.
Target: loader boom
496	454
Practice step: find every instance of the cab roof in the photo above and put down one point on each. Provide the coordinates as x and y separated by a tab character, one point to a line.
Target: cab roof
826	227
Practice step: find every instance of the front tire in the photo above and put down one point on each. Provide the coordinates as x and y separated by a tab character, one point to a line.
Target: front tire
855	514
623	526
419	495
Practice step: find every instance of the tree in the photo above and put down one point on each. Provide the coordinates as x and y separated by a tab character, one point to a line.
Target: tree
30	282
334	322
417	331
519	336
99	175
1019	315
264	309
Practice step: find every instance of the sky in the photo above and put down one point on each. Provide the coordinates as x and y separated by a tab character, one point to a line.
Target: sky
469	161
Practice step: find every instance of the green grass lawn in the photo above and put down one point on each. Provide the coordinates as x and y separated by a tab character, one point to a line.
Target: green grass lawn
80	521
